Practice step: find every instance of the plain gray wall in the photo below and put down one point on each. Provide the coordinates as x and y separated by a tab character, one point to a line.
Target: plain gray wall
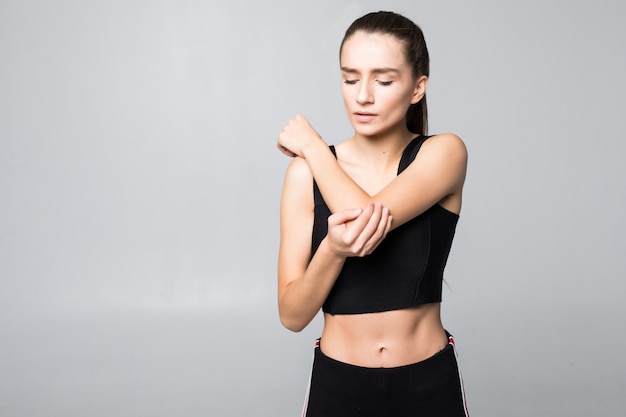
140	187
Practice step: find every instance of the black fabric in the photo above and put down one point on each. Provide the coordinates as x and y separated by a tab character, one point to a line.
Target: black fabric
405	270
428	388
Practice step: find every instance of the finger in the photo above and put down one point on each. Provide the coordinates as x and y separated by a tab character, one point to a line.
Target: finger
374	231
389	224
343	216
355	228
285	150
384	225
372	224
301	119
361	242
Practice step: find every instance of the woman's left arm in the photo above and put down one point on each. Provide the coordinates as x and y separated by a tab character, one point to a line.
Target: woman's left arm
437	172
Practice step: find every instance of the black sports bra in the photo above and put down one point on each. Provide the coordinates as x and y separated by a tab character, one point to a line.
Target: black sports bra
405	270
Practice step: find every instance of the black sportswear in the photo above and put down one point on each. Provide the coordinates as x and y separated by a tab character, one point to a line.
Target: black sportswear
405	270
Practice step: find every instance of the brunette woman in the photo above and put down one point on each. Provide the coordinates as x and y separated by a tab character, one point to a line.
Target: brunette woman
366	229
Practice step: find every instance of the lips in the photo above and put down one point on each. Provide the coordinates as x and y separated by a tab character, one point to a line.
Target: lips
364	117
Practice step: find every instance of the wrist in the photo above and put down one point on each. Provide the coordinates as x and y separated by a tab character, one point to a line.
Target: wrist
312	146
327	249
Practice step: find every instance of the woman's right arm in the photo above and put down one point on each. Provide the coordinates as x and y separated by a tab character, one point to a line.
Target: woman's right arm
305	282
437	173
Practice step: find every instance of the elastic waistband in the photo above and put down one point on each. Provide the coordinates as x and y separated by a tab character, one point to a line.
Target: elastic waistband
449	348
450	339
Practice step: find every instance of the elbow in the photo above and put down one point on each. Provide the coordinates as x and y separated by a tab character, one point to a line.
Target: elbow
292	325
290	322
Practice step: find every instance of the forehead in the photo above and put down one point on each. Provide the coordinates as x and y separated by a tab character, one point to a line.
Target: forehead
372	50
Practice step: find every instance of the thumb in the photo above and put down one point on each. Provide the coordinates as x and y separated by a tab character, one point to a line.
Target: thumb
344	216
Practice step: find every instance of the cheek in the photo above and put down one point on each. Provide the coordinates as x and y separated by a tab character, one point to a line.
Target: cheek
398	101
346	99
345	93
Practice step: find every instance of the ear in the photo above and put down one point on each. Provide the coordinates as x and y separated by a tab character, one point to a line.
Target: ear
421	84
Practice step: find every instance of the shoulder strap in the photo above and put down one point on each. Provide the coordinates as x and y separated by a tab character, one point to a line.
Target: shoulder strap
408	156
410	152
317	195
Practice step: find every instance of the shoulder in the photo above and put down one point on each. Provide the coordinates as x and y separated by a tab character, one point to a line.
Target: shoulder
298	182
447	142
445	146
443	158
297	200
298	170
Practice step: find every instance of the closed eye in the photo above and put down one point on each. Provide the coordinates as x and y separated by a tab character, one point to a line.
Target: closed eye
350	81
385	83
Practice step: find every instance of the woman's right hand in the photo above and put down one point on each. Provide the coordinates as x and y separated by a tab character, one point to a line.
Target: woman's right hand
359	231
296	135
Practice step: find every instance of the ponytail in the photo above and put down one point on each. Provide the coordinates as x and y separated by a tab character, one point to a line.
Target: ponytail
417	117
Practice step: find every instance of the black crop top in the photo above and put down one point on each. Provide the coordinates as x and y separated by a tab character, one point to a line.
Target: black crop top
405	270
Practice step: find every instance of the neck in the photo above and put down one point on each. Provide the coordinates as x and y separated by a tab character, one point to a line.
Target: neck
383	149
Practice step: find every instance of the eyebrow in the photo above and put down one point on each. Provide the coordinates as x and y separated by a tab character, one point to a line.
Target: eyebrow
375	70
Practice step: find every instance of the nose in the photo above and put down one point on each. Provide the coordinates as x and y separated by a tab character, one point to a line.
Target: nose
365	95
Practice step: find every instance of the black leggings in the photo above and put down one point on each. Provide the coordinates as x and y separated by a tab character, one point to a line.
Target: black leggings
432	387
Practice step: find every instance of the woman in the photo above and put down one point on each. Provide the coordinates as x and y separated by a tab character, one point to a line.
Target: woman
375	264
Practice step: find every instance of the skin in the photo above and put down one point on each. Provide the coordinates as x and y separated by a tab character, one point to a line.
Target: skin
367	199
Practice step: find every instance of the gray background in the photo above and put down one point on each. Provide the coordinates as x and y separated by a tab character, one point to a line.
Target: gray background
140	185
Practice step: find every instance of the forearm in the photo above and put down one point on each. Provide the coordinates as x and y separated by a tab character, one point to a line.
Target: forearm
338	189
439	174
303	297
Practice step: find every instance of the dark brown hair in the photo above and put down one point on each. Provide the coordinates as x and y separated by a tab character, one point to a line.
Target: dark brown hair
416	54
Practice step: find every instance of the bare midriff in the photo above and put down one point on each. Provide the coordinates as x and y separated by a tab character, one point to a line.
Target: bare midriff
386	339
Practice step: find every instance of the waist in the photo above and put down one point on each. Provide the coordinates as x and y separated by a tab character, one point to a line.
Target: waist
385	339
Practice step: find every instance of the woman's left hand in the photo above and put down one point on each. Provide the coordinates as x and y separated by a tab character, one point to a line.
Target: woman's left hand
297	135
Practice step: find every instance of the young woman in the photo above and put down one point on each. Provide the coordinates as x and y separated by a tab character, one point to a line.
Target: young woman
366	229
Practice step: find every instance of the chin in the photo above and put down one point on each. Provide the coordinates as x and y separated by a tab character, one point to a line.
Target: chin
366	129
369	131
377	129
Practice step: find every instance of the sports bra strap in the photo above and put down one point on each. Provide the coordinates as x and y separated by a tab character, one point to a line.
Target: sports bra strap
410	152
408	155
317	195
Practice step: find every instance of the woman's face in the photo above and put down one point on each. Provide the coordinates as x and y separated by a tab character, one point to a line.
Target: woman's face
378	85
